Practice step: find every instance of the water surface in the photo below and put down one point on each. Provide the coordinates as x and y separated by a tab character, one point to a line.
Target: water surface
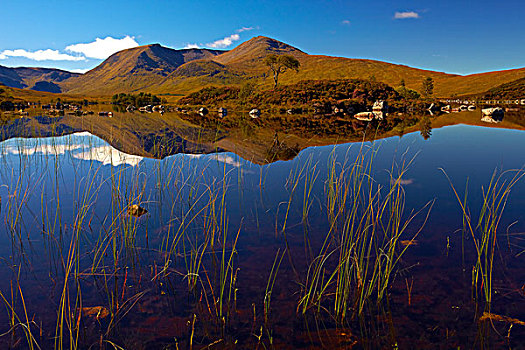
196	268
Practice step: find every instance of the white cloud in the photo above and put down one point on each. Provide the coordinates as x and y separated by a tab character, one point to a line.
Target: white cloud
406	15
52	149
81	71
345	22
191	46
222	43
402	182
70	144
108	155
245	29
103	48
40	55
228	160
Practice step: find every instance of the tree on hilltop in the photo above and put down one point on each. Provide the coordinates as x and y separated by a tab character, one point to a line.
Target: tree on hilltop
279	64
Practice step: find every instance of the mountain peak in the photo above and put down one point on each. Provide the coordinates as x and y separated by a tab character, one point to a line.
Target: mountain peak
257	48
137	68
270	42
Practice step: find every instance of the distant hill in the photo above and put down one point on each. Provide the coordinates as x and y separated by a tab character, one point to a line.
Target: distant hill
39	79
478	83
247	58
509	91
137	69
152	68
157	69
20	95
249	55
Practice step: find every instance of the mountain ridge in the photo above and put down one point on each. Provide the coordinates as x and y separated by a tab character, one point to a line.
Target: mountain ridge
134	69
28	77
158	69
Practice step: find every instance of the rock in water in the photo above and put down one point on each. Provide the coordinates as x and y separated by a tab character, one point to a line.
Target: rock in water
495	111
96	312
203	111
136	210
364	116
223	112
255	113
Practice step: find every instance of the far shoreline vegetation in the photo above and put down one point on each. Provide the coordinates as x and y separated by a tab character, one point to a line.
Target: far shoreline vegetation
292	116
326	97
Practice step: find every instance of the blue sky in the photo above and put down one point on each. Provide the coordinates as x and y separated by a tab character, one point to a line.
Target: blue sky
452	36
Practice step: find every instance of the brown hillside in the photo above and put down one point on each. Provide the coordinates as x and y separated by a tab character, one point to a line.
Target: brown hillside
478	83
246	61
28	77
136	69
254	50
27	95
157	69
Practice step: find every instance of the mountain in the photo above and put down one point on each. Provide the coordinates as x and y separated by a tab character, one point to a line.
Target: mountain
252	52
12	94
508	91
38	79
247	59
481	82
135	69
246	62
161	70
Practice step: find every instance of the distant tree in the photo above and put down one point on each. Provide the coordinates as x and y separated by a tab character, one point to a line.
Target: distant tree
428	87
279	64
140	100
402	83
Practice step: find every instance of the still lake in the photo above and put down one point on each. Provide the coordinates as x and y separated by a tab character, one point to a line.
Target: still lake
227	252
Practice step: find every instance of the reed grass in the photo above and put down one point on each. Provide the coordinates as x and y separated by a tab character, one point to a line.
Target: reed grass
17	321
484	229
361	248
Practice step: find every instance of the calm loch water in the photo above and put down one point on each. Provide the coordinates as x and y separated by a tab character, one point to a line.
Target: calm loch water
228	249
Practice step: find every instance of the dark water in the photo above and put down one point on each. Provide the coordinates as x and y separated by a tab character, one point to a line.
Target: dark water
68	244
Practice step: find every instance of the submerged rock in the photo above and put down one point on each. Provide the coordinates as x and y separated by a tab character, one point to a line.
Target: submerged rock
136	210
97	312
